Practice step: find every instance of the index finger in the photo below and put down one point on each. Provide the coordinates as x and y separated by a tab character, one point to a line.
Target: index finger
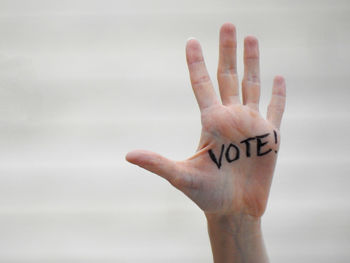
200	80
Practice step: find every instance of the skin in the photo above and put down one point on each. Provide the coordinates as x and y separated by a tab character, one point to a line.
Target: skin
235	196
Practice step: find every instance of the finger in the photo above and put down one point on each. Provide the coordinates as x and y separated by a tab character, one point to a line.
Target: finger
251	79
278	101
155	163
200	80
227	69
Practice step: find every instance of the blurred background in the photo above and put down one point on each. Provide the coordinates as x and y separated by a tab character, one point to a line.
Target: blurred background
84	82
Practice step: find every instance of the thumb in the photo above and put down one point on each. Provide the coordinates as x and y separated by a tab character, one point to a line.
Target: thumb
155	163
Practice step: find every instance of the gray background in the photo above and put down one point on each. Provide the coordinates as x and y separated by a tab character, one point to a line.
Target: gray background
83	82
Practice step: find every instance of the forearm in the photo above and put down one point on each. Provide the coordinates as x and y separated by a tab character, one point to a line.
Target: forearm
236	238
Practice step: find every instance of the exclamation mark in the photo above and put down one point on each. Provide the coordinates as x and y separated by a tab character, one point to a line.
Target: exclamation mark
275	133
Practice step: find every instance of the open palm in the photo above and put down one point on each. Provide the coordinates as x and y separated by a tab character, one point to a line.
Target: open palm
232	170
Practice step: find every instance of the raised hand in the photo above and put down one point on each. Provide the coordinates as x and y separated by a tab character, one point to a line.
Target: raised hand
231	172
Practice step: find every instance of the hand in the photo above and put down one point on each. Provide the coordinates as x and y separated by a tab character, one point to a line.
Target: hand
231	172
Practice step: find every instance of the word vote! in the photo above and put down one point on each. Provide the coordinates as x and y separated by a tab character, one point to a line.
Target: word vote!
232	152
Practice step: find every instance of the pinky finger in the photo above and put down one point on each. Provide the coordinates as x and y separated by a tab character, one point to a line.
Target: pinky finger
278	102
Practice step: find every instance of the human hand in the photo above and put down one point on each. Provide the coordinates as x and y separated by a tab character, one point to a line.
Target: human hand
232	170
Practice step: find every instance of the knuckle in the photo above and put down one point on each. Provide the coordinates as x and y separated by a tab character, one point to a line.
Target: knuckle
200	81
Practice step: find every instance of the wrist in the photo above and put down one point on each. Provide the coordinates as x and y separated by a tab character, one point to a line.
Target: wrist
234	224
236	238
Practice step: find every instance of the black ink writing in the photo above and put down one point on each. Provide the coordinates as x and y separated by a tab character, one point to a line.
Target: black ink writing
260	144
275	134
228	153
233	152
247	145
212	156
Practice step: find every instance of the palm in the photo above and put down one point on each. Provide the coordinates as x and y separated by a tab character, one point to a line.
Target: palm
241	185
231	171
